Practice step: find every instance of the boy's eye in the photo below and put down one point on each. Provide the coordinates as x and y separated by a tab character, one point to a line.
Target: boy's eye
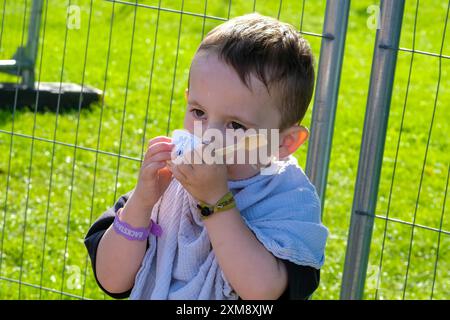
197	113
235	125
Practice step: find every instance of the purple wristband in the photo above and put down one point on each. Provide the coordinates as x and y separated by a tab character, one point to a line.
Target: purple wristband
130	233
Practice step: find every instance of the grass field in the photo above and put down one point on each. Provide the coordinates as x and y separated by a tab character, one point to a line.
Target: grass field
51	192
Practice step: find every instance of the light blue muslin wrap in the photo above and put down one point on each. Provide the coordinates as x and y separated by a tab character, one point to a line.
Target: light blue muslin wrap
282	210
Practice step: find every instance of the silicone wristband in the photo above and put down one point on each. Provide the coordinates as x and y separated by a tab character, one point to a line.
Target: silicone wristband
131	233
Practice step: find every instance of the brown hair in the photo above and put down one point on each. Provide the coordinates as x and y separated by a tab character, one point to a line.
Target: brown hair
275	53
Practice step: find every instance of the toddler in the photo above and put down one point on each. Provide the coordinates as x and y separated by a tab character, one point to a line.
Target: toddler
223	230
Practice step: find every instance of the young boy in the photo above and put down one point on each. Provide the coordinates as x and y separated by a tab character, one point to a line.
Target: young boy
228	231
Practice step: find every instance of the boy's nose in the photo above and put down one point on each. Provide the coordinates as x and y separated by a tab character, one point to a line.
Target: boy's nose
216	126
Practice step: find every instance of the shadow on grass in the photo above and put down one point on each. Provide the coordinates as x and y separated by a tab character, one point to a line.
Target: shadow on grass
64	98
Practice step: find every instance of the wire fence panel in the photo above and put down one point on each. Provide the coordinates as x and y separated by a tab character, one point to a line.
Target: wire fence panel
411	218
407	254
62	167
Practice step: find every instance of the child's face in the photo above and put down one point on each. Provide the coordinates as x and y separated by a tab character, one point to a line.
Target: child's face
218	98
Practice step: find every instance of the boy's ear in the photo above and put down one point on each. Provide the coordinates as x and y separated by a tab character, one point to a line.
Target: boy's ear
291	139
186	94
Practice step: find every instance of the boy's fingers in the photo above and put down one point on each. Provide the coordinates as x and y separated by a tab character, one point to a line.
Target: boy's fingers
162	156
157	148
155	166
158	139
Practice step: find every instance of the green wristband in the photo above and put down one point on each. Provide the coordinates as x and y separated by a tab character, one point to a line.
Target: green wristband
225	203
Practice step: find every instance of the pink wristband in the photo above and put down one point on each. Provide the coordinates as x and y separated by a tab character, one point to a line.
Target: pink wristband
131	233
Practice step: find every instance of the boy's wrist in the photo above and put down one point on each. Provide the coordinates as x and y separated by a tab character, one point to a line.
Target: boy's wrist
141	201
225	203
212	198
136	213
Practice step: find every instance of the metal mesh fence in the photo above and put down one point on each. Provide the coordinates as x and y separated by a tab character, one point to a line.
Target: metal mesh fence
61	168
411	221
408	249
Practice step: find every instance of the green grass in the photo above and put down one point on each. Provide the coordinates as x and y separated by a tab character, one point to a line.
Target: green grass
66	216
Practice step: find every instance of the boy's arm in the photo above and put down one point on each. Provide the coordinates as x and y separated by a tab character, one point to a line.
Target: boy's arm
95	234
117	260
251	269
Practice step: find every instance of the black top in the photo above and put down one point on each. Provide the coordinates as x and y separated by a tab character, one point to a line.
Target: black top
302	280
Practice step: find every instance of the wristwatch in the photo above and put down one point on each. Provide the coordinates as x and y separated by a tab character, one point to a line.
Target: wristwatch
225	203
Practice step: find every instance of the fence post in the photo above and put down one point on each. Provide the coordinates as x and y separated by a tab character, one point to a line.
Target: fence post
23	62
31	49
372	147
327	87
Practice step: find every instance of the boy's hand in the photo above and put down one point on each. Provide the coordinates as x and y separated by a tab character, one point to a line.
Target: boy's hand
205	182
154	177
